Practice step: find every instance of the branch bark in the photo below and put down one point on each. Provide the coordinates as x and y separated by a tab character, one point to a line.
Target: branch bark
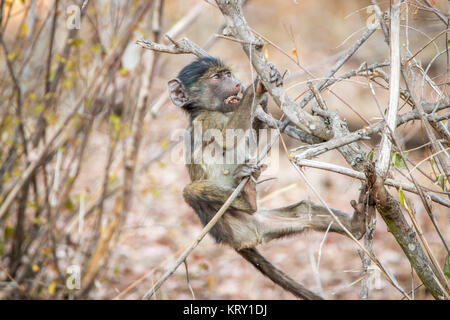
384	158
390	211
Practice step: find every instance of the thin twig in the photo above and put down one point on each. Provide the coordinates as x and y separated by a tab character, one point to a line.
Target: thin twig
188	280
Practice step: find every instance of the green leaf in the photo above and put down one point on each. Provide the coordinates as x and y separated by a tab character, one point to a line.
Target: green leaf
2	246
112	178
75	42
447	267
116	270
88	103
401	196
370	155
8	231
69	205
441	181
32	205
155	192
397	160
36	221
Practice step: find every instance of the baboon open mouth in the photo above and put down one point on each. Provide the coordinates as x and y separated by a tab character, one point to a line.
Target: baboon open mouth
233	99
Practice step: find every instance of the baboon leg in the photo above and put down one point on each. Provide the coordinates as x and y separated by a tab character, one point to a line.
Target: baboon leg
304	215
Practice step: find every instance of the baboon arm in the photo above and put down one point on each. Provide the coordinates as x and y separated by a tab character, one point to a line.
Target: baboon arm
242	117
239	121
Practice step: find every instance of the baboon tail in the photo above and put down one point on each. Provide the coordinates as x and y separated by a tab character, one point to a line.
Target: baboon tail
276	275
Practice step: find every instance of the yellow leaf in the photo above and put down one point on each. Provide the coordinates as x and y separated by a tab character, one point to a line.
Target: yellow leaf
12	55
69	64
67	84
23	30
75	42
88	103
35	268
161	164
164	143
117	205
174	189
124	71
85	57
112	178
155	192
32	205
115	120
210	280
96	48
38	108
59	58
16	173
52	287
294	52
32	96
172	232
48	95
50	118
266	53
36	221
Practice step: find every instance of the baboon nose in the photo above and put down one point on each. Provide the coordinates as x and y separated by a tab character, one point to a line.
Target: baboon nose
237	86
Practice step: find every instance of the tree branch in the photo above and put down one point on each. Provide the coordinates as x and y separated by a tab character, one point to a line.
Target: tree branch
359	175
384	158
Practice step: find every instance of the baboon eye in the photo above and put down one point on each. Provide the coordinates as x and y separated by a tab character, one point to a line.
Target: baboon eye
215	76
228	74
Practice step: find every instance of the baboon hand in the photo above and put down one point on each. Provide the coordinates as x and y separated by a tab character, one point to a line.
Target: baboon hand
248	169
358	220
275	76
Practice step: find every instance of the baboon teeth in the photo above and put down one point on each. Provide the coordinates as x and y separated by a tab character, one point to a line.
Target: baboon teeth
233	99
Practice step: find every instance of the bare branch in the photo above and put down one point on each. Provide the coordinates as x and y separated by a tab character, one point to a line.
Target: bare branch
391	212
184	46
384	158
239	28
382	268
359	175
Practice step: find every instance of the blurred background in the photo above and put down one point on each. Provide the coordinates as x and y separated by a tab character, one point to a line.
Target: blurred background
79	209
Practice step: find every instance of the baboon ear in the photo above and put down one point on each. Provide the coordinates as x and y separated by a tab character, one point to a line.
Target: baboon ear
177	93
